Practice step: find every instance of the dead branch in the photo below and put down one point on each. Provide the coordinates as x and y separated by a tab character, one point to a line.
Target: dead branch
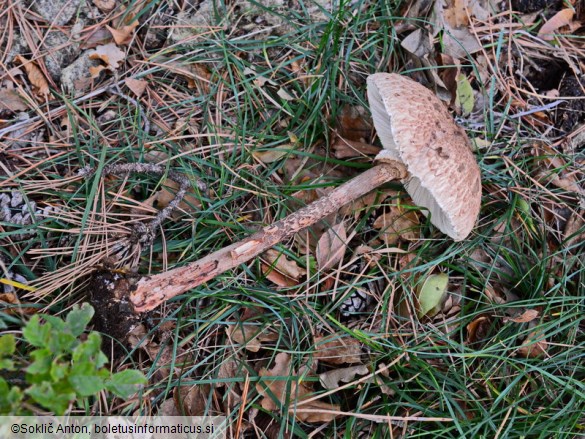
151	291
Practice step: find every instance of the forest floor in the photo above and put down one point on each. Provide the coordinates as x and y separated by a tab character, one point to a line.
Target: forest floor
371	323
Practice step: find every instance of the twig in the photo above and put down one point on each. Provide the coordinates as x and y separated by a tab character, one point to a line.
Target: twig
145	233
115	89
150	292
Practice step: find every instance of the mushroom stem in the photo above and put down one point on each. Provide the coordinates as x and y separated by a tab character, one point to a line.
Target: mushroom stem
151	291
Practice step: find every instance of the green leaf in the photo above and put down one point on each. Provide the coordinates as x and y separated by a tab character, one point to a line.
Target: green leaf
78	318
10	398
37	333
87	385
7	345
45	395
464	99
59	370
6	364
42	362
62	342
431	293
126	383
56	323
90	351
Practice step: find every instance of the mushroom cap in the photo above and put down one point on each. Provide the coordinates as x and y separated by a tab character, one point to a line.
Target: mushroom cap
416	129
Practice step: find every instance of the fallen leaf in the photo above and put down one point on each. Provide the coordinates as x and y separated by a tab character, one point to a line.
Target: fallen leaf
464	96
35	75
250	336
336	350
105	5
452	17
562	18
332	379
123	35
109	54
283	264
345	148
168	408
96	37
527	316
95	72
534	346
354	123
479	328
274	154
192	401
167	193
136	85
331	247
396	223
10	100
286	390
430	294
281	270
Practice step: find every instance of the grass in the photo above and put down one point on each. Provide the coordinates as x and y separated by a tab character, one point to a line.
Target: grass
214	101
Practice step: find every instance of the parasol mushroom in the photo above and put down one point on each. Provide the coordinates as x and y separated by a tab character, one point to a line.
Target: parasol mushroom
423	147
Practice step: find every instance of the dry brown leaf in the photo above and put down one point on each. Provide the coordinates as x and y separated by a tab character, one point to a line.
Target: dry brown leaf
286	266
123	35
397	224
287	390
197	75
11	304
136	85
562	18
534	346
354	123
162	198
98	36
332	379
527	316
94	72
109	54
35	75
344	148
478	329
250	336
168	408
274	154
10	100
192	401
105	5
455	13
277	278
331	247
335	350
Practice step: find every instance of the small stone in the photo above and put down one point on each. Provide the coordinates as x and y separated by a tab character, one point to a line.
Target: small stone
57	12
76	78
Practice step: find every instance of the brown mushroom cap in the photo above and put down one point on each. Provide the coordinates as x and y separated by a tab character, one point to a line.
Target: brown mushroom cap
416	129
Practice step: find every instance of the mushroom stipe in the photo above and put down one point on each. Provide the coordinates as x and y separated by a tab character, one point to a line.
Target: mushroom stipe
423	148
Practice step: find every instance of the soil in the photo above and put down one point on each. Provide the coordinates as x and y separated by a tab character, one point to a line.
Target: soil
526	6
108	291
572	114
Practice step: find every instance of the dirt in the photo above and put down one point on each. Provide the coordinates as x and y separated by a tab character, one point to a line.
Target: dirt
526	6
571	114
108	292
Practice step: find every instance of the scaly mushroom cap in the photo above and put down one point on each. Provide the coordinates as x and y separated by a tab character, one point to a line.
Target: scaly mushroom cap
416	129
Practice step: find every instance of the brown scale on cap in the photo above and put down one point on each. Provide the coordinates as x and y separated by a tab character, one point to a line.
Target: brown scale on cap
416	129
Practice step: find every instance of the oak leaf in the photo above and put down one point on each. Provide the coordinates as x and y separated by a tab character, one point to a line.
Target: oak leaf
281	387
35	75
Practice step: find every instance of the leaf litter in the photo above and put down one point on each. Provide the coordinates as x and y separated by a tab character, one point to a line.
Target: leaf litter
459	32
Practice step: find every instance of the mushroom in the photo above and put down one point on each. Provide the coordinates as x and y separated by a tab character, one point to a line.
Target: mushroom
416	129
423	147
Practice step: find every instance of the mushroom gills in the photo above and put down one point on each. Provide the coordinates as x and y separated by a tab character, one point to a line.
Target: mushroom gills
423	197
